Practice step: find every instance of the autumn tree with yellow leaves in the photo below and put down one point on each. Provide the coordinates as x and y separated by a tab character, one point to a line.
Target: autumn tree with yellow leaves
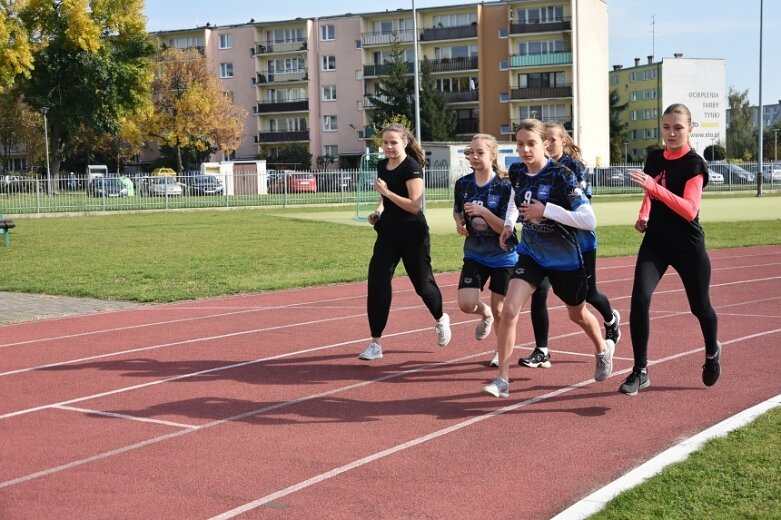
89	62
190	108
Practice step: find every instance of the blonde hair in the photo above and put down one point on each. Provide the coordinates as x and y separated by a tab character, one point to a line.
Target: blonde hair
681	109
413	148
493	145
534	126
567	144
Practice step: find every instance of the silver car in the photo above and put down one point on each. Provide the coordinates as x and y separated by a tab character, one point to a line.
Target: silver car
162	186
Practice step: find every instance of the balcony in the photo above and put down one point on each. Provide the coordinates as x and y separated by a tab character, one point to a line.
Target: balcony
462	97
563	24
368	104
283	137
467	126
449	33
564	120
387	38
298	105
563	91
280	47
383	70
453	64
281	77
541	60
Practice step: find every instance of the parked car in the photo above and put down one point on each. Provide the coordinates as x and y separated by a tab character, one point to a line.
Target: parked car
106	187
715	177
771	173
611	176
335	180
733	174
162	186
203	185
291	182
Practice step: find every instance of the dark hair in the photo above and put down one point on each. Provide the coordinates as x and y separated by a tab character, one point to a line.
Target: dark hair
413	148
680	108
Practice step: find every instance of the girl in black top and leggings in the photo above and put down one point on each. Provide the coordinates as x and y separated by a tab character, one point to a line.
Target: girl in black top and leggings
402	234
673	180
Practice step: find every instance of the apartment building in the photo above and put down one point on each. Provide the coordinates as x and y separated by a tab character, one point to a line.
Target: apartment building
648	88
309	80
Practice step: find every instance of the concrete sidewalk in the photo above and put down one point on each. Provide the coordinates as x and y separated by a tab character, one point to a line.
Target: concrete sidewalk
20	307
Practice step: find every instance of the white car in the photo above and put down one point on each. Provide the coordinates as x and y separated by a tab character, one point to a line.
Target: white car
771	173
715	177
162	186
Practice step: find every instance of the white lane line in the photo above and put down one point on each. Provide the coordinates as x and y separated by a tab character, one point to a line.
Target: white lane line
89	411
439	433
596	501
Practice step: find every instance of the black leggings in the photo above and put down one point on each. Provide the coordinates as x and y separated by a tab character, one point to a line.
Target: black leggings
539	306
416	258
693	266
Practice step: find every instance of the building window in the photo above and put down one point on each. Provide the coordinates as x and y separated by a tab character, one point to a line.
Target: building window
226	70
327	32
226	41
329	124
331	150
329	63
329	92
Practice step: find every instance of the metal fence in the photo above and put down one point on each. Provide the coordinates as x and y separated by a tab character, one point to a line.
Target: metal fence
76	193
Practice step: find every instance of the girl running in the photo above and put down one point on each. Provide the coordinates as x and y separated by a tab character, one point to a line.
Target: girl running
673	180
402	234
551	204
481	201
563	150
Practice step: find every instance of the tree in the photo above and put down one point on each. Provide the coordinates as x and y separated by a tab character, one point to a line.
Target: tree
770	142
394	94
437	121
91	67
290	156
714	152
190	108
741	134
16	49
21	127
617	128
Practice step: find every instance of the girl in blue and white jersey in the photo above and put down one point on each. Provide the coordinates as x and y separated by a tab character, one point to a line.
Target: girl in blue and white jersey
552	206
481	201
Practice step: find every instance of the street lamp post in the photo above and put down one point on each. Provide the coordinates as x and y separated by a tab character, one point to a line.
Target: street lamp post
775	145
44	111
626	152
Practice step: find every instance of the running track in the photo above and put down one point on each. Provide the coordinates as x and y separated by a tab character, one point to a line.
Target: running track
256	406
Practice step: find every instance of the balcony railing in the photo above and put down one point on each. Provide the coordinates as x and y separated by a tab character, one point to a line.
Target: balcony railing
562	24
281	77
387	38
563	91
449	33
565	120
282	137
462	97
467	126
297	105
281	47
537	60
384	69
453	64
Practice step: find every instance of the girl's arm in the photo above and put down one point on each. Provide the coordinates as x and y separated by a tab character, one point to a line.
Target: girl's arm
581	218
686	207
411	204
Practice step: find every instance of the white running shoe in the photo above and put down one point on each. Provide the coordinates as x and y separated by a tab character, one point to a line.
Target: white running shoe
499	387
373	351
495	361
443	330
484	328
604	361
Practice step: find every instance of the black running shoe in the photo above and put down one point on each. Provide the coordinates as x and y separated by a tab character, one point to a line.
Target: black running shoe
613	332
537	359
636	381
711	370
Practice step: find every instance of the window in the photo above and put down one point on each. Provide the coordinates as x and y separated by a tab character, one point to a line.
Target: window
329	92
541	14
329	63
226	41
329	123
331	150
455	20
226	70
541	79
288	35
327	32
535	47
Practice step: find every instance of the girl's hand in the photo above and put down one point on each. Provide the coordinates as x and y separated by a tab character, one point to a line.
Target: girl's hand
641	225
473	210
507	232
374	217
461	227
381	187
532	211
640	178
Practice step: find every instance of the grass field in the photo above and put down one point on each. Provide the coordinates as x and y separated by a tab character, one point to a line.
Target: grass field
170	256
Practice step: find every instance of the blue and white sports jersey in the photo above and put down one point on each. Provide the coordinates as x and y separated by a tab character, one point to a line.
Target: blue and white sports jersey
586	239
551	244
482	244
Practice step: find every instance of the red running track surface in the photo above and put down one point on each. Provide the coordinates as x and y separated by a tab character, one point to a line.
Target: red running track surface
257	406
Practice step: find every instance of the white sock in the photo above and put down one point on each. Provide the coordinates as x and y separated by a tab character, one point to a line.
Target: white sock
544	350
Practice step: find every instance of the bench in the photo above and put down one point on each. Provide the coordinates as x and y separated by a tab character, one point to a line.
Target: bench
6	224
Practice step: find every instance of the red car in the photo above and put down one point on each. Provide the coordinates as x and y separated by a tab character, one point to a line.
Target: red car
291	182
